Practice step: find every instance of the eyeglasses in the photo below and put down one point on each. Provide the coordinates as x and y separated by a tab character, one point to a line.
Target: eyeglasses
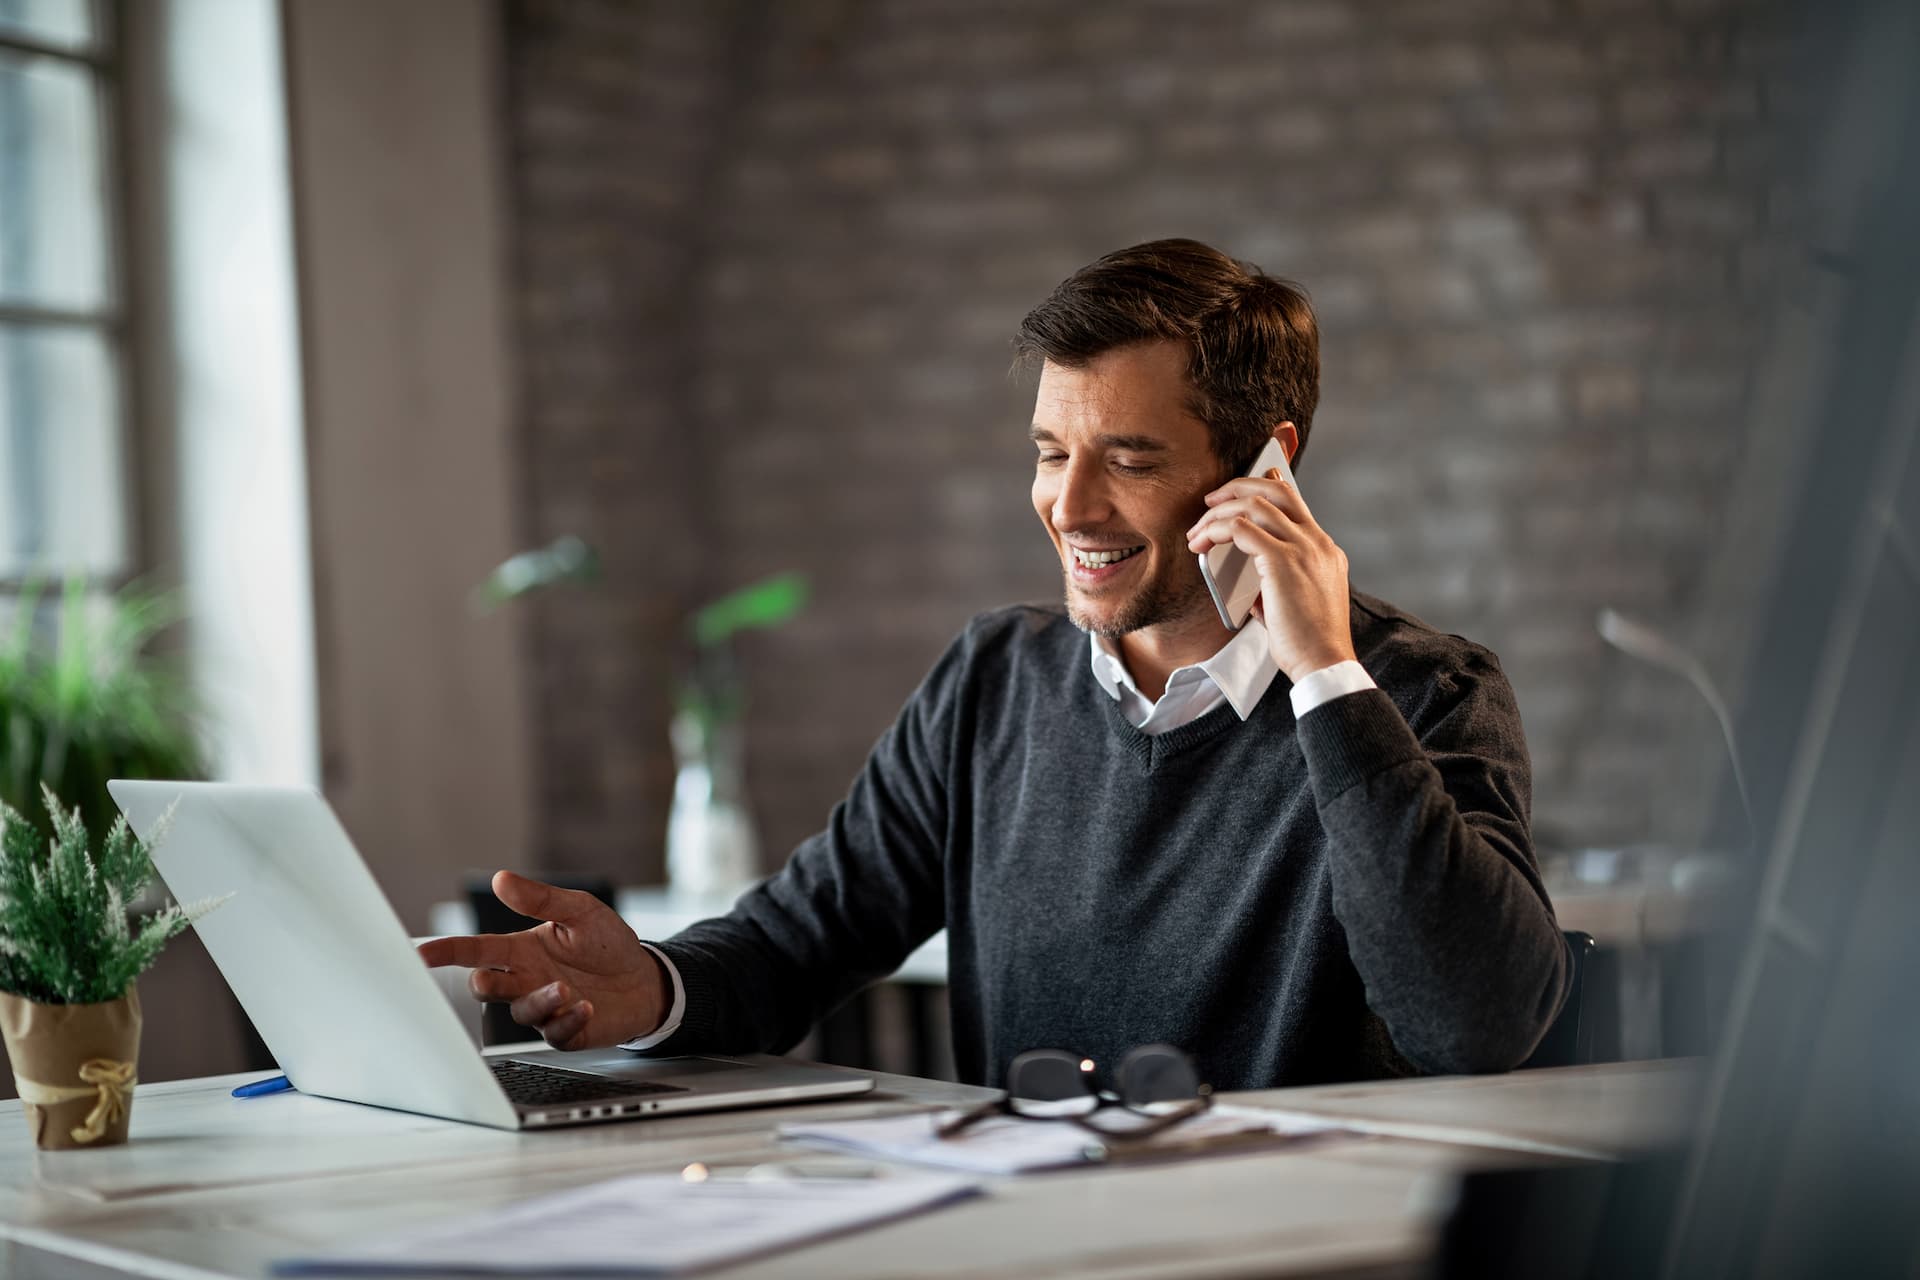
1155	1081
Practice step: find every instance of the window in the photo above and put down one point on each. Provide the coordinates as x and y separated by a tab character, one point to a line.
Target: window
63	503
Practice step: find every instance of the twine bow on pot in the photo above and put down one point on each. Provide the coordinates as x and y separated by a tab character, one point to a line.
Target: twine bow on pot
112	1081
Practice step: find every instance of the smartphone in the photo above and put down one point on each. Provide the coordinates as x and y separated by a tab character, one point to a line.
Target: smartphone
1231	578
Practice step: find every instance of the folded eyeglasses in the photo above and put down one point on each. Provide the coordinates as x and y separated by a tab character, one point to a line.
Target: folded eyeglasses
1155	1082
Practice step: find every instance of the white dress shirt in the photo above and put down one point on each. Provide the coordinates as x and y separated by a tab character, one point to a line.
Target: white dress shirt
675	1012
1239	674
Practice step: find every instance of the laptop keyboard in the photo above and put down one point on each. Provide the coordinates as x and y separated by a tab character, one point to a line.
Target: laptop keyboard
534	1085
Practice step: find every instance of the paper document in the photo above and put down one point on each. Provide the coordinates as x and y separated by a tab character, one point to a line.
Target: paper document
1460	1135
652	1224
1007	1144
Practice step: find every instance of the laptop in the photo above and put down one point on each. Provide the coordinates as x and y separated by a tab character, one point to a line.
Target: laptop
320	962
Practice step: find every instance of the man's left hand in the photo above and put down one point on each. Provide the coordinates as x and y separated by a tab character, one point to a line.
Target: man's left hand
1303	572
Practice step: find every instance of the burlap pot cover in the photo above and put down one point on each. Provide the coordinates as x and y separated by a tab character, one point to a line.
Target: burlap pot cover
74	1067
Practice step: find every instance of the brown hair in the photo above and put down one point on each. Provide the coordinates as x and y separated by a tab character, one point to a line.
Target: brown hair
1253	349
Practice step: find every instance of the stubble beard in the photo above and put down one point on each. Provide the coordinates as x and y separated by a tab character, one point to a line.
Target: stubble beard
1162	600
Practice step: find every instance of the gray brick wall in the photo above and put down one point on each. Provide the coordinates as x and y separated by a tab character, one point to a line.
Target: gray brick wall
770	255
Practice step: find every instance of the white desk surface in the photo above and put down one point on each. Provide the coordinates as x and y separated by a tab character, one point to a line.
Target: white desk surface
1610	1110
286	1174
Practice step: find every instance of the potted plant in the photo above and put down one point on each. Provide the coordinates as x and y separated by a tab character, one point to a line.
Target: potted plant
69	957
712	849
712	852
91	702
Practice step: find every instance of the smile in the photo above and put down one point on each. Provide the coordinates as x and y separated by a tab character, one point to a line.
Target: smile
1096	559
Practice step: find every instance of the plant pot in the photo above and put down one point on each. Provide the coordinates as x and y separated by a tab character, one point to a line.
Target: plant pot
74	1067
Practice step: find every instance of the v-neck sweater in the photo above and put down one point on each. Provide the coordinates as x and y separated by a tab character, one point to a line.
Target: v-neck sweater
1346	896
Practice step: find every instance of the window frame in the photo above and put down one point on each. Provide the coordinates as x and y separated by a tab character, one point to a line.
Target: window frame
105	61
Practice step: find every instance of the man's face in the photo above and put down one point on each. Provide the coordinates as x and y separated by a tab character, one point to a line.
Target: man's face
1121	471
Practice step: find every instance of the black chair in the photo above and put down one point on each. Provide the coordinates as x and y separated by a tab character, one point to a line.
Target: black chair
1569	1041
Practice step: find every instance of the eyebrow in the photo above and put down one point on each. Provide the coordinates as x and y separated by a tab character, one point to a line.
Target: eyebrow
1131	444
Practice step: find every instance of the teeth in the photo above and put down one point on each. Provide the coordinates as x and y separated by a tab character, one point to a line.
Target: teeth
1093	559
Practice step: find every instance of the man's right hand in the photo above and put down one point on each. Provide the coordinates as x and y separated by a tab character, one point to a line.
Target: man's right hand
582	979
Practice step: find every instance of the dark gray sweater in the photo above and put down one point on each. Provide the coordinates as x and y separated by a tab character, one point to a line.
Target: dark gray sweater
1345	897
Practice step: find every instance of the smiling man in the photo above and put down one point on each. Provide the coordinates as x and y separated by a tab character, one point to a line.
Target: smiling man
1298	851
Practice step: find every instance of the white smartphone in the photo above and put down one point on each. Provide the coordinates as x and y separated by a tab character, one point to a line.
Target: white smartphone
1231	577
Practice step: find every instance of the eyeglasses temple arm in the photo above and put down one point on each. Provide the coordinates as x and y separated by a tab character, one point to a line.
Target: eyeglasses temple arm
967	1119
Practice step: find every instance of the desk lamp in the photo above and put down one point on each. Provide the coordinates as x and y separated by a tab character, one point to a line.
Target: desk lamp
1641	641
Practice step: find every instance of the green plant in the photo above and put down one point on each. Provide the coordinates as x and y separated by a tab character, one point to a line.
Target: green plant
65	935
766	603
710	691
95	704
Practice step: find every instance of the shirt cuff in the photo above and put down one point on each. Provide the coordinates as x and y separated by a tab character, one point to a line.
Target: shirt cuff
674	1014
1323	686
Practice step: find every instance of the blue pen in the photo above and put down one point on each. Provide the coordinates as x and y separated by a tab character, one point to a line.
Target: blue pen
259	1088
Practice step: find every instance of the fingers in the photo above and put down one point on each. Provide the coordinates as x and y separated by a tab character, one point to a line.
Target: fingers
1243	533
1256	513
1268	502
569	1030
539	1006
494	986
543	901
487	951
1281	493
553	1011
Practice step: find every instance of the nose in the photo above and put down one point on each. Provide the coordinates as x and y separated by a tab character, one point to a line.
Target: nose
1081	501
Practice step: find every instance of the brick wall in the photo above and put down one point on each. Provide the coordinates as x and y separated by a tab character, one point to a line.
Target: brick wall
770	256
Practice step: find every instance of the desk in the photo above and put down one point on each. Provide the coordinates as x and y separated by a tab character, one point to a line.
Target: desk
294	1173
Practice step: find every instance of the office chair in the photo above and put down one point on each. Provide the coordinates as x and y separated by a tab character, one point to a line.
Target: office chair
1569	1041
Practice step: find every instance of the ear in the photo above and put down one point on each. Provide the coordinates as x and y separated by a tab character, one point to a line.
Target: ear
1289	437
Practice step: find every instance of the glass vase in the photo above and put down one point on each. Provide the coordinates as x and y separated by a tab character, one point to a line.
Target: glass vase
712	852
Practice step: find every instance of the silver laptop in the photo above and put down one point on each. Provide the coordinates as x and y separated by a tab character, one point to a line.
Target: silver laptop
321	964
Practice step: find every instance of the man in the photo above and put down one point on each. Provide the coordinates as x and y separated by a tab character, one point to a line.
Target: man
1131	834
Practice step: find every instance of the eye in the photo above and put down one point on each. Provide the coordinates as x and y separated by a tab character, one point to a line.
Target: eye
1130	469
1051	457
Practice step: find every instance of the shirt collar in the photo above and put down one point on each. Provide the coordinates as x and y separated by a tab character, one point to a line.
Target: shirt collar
1243	670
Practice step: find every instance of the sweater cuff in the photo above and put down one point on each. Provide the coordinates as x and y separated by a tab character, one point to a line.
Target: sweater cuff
695	984
676	1012
1351	739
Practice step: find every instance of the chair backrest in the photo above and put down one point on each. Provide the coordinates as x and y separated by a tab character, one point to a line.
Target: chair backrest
490	915
1569	1041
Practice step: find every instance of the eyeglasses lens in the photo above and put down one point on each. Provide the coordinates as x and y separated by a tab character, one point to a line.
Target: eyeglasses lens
1049	1082
1157	1073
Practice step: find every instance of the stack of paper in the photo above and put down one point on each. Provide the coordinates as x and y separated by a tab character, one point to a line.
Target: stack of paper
1008	1144
652	1224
